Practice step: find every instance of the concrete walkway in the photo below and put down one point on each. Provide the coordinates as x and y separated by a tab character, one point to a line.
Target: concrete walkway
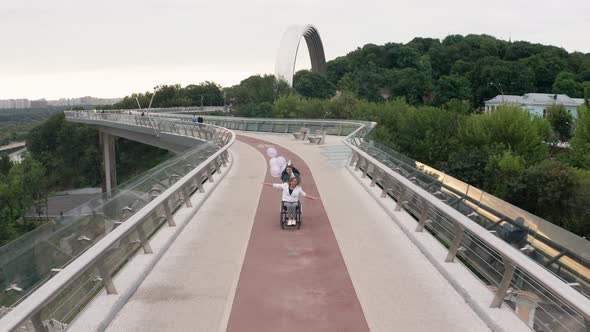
353	269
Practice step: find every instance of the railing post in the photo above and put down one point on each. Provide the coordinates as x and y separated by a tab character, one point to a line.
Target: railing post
145	243
376	174
368	167
423	216
358	163
107	281
210	172
187	197
504	284
199	179
401	199
354	158
454	247
169	216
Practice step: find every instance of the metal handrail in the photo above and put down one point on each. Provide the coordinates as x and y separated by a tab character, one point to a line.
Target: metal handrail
31	306
511	257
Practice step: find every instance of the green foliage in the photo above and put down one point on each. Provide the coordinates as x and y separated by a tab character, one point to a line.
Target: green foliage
202	94
262	110
70	150
561	121
565	83
134	158
296	106
452	87
501	170
257	89
15	124
508	128
5	164
313	85
23	188
468	164
581	140
430	71
547	189
580	221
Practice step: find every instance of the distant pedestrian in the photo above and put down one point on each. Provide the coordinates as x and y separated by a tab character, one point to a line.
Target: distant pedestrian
142	114
200	119
194	119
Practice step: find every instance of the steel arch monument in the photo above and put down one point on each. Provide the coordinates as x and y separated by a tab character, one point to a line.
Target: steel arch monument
285	64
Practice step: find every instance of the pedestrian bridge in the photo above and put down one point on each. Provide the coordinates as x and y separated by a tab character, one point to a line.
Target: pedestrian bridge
195	243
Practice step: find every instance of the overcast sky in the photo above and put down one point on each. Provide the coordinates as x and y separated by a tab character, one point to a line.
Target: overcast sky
111	48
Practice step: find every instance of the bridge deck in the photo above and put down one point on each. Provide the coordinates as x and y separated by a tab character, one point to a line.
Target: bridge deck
353	268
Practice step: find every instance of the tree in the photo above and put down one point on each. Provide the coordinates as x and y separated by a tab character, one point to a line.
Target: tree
28	181
257	89
5	164
566	84
561	121
261	110
209	93
507	128
313	85
547	190
452	87
501	170
581	139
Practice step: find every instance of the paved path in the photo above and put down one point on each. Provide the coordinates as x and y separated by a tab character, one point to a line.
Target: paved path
293	280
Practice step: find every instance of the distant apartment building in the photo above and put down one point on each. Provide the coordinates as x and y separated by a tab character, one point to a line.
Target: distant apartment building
83	101
15	103
42	103
535	103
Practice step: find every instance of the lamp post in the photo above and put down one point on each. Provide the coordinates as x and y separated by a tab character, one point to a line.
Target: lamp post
499	87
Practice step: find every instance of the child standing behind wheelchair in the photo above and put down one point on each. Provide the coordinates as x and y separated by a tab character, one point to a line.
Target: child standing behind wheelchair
291	193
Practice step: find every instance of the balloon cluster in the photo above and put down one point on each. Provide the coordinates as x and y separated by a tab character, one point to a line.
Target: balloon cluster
277	164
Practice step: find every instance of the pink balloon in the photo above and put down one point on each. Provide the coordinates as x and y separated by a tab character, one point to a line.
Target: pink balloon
275	172
271	152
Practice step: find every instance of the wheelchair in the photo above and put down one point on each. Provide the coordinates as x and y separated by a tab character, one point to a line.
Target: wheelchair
283	218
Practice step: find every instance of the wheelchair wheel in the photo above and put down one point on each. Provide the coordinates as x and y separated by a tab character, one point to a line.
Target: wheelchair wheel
282	220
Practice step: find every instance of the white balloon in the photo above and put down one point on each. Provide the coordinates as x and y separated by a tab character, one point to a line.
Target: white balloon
275	172
271	152
282	161
274	163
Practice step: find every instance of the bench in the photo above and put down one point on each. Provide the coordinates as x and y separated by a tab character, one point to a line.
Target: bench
318	138
301	134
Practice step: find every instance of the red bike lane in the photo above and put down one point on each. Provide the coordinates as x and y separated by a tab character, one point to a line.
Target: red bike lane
293	280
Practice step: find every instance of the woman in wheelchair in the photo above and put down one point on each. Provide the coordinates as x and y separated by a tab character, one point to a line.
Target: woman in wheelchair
291	193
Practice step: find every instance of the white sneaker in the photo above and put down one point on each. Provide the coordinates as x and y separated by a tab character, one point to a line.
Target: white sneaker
291	222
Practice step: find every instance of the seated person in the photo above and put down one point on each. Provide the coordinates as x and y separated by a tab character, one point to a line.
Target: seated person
289	173
291	193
